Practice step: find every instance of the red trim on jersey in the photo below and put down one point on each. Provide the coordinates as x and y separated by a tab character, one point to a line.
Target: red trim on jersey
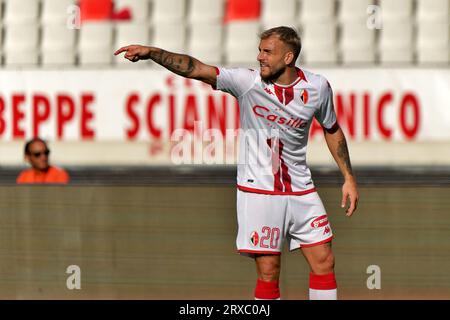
284	170
286	177
301	75
217	71
309	245
278	92
276	193
322	282
288	95
276	253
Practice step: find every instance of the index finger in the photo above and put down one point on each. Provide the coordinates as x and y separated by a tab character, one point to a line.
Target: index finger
123	49
353	203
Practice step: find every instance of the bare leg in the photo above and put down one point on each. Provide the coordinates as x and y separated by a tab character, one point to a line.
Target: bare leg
268	267
268	270
322	283
320	258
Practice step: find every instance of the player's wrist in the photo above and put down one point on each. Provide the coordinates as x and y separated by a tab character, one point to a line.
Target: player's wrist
350	178
148	52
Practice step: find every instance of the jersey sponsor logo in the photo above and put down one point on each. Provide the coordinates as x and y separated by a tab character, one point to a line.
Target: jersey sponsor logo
320	222
304	96
264	112
254	238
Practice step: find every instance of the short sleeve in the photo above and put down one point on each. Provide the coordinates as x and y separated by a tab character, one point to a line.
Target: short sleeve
325	113
236	81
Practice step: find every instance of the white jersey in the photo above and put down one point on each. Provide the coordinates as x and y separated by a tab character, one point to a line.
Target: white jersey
275	122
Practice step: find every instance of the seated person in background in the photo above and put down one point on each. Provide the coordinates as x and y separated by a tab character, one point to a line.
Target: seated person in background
37	155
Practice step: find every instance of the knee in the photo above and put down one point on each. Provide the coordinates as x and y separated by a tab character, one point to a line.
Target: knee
269	271
324	263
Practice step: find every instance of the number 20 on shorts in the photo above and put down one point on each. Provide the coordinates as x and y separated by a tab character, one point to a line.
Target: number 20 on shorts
270	237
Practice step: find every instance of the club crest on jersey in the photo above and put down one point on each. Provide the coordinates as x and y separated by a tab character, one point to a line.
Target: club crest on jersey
254	238
304	96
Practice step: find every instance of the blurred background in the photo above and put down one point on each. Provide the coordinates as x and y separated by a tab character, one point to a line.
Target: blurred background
143	220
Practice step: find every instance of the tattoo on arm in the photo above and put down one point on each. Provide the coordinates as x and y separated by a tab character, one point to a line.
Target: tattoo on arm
180	64
342	152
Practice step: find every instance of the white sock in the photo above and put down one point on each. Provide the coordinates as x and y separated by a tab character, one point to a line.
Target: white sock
322	294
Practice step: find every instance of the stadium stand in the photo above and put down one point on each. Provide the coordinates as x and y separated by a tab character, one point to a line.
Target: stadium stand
21	45
168	11
58	45
129	33
241	42
205	42
95	44
96	10
171	36
433	11
357	43
399	10
319	42
237	10
206	11
55	11
396	42
334	32
433	43
21	11
317	11
139	9
273	14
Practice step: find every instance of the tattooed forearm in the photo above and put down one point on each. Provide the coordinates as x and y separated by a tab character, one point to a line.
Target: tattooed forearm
180	64
342	152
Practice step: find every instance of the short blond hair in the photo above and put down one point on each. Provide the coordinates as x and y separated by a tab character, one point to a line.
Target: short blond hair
286	34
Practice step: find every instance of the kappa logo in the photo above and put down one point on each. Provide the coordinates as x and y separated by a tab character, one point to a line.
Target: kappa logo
254	238
304	96
327	230
268	91
319	222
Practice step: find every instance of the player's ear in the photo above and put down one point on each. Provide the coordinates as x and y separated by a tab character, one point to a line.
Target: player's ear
289	58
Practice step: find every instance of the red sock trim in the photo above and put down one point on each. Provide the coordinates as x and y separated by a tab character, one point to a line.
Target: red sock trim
322	282
267	289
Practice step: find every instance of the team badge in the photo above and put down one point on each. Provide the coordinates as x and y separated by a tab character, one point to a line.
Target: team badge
304	96
254	238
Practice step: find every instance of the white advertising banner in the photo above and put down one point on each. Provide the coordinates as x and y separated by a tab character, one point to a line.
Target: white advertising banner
149	105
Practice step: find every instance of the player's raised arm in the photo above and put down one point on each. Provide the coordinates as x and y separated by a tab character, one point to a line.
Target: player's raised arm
181	64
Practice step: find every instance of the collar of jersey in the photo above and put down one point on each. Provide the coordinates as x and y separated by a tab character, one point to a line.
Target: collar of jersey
300	76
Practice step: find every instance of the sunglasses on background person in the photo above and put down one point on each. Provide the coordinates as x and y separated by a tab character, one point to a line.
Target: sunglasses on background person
41	153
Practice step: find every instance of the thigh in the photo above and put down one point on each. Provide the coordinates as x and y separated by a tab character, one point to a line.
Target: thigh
261	223
309	222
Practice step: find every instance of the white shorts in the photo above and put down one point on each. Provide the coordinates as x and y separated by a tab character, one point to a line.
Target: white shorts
264	221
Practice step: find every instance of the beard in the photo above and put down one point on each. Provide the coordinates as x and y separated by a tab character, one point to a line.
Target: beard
274	75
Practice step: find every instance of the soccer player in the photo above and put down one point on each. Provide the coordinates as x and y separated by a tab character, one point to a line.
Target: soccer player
277	105
37	155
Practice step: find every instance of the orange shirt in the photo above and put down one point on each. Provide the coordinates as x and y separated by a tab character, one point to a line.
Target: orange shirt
53	175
